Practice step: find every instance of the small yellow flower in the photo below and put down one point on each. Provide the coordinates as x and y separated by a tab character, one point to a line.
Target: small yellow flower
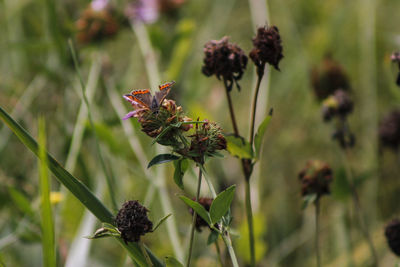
56	197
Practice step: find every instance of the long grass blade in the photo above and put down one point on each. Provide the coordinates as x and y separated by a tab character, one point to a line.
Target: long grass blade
80	191
46	214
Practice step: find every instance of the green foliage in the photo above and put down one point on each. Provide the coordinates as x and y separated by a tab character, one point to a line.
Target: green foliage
172	262
260	134
161	221
221	204
212	237
239	147
162	158
198	208
308	199
181	166
21	201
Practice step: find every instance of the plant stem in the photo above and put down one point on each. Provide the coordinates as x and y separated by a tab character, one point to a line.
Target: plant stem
194	217
228	243
358	208
146	255
317	251
253	114
231	111
249	214
219	252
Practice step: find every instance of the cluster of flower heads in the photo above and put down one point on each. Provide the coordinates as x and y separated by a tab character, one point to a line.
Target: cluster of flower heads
100	20
167	125
132	221
389	130
228	61
315	178
395	57
331	86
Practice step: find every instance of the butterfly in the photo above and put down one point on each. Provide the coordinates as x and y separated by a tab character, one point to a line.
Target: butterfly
143	98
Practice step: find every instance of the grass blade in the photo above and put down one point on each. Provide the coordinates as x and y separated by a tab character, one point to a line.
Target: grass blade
46	214
77	188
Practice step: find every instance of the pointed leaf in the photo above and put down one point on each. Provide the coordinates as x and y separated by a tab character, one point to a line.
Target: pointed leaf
161	221
162	158
260	133
180	168
21	201
308	199
198	208
238	147
220	205
172	262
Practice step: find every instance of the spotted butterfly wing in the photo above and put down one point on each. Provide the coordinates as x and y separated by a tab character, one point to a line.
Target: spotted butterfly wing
142	97
164	91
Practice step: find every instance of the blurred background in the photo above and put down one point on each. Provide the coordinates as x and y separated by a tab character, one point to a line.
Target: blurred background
142	44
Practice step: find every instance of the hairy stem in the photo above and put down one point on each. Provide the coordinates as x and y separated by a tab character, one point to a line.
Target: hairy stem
194	220
317	251
228	243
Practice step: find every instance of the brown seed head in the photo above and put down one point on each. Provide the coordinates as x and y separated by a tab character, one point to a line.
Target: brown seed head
339	104
224	59
267	48
132	221
389	130
315	178
392	233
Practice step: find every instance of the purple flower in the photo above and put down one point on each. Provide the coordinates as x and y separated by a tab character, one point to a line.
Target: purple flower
145	11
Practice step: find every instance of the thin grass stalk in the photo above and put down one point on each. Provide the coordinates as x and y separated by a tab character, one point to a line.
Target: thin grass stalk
358	208
46	214
194	217
109	178
317	226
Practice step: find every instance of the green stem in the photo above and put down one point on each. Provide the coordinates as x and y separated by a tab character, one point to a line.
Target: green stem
253	114
194	220
231	110
228	244
146	255
219	253
109	178
317	251
358	209
249	214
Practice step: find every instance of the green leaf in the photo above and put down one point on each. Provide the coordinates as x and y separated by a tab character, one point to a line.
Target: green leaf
46	214
21	201
180	168
220	205
105	231
161	134
162	158
239	147
308	199
212	237
198	208
76	187
172	262
161	221
260	134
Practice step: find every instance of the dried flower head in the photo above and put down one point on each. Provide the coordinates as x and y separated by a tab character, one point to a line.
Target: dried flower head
339	104
206	141
328	78
389	130
200	222
267	48
392	233
97	22
344	137
395	57
132	221
224	59
315	178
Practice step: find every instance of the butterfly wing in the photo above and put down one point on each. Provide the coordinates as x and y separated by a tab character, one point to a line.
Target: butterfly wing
164	91
142	97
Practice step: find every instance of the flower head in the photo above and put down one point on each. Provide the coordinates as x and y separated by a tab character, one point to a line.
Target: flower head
392	233
146	11
267	48
315	178
389	130
328	78
224	59
97	22
200	222
339	104
132	221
